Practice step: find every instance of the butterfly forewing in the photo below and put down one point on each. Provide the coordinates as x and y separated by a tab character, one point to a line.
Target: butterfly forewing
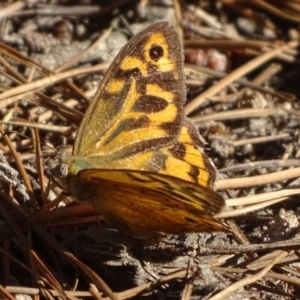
183	159
139	104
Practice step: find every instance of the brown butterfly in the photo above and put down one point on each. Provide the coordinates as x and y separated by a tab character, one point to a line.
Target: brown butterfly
137	159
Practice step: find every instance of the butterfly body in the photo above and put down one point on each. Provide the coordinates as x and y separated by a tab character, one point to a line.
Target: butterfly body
137	159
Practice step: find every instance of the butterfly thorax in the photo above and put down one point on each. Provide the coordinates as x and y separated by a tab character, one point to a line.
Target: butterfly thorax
77	163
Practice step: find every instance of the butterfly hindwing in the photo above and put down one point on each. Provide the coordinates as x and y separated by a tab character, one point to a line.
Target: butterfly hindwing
157	201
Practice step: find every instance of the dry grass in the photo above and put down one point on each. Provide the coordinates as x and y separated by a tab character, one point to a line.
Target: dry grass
246	107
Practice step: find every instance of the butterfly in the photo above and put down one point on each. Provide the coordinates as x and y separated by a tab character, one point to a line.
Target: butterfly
137	159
